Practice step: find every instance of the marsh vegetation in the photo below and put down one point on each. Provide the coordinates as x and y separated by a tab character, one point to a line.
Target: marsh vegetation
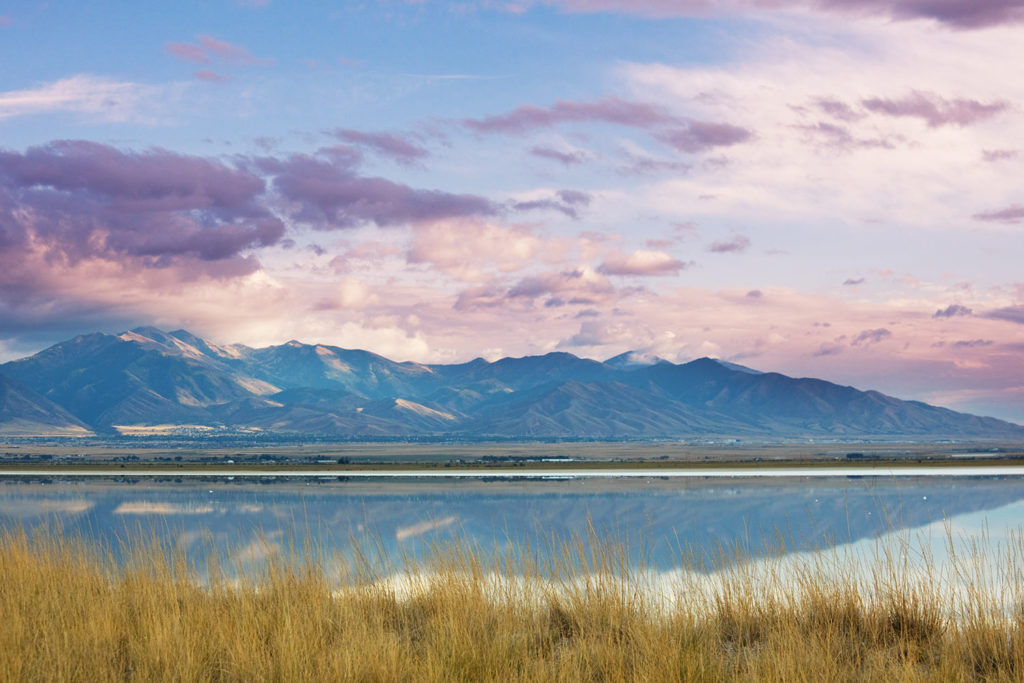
579	610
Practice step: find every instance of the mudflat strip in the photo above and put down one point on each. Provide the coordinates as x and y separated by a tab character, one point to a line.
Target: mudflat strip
528	473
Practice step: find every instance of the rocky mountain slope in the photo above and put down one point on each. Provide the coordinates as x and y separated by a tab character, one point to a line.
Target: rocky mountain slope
150	377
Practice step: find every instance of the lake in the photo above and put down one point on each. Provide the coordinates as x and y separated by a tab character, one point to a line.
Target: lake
662	522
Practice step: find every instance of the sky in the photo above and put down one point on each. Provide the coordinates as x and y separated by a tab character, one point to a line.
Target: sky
823	188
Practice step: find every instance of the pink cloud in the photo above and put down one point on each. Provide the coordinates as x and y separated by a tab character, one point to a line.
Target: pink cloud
608	110
231	53
389	145
209	76
187	52
471	250
839	138
935	110
643	263
209	47
5	20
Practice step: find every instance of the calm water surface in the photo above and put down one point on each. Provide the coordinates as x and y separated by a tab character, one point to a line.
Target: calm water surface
662	522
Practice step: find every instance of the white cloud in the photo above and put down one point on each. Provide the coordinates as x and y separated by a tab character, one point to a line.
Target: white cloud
92	96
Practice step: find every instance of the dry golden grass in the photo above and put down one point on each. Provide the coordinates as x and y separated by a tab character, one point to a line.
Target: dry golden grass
69	611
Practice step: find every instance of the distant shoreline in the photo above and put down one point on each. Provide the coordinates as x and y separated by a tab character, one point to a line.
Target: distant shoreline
552	470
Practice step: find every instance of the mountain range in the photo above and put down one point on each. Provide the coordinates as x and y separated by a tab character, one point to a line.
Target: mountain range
145	378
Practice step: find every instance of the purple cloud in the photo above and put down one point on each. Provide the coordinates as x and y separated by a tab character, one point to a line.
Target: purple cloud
156	179
546	205
684	135
737	244
966	14
329	194
838	137
570	201
850	282
837	109
1011	214
936	111
582	286
828	349
643	165
388	145
566	158
698	136
868	337
991	155
608	110
86	200
972	343
1013	314
953	311
574	197
959	14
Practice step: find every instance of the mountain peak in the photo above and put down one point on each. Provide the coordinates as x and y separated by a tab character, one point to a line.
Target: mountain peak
147	376
708	362
740	368
634	359
149	331
185	335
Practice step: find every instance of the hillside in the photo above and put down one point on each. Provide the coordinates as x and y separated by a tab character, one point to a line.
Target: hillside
150	377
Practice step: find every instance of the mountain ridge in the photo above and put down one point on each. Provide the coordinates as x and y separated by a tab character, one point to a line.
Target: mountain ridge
144	377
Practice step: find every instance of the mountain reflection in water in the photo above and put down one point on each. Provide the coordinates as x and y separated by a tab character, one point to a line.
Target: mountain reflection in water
661	523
